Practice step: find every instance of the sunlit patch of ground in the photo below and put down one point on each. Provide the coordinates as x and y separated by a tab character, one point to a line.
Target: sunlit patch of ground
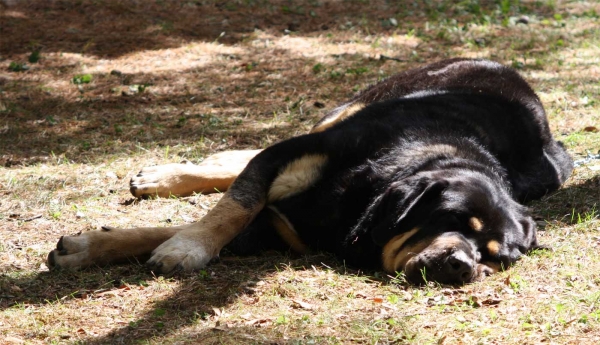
180	80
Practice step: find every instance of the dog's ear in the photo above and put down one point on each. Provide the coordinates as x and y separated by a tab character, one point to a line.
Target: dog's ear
517	238
522	240
402	206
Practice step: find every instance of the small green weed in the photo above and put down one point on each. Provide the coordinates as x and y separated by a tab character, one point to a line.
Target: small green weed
82	79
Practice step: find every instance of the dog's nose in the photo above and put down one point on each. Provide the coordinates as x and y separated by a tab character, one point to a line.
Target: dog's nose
459	267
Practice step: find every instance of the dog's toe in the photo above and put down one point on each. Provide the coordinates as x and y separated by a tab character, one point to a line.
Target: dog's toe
71	252
51	260
59	245
145	190
154	181
179	254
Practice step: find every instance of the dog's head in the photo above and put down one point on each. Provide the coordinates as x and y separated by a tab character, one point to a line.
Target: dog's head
453	227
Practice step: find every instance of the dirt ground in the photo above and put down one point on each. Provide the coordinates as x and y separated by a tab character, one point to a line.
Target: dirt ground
93	90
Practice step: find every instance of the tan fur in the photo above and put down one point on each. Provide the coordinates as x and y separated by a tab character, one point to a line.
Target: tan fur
434	150
286	231
493	247
430	244
174	244
392	248
215	174
109	246
441	243
225	221
475	224
406	254
296	177
488	267
193	247
339	117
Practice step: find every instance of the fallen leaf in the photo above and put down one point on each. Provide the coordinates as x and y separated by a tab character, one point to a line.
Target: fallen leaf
301	304
246	316
491	301
14	340
258	322
109	293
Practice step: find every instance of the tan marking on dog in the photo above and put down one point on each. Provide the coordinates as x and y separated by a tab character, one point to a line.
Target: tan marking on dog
493	267
486	268
475	224
296	177
433	150
401	259
446	242
493	247
226	220
345	113
392	248
193	247
432	243
286	231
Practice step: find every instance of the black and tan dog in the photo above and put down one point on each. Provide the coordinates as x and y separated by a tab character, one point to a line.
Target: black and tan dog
422	173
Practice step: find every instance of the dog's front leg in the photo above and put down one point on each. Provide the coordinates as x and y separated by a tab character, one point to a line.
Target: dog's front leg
193	247
108	246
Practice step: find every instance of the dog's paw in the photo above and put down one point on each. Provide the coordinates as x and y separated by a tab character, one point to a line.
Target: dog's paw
180	253
161	180
72	252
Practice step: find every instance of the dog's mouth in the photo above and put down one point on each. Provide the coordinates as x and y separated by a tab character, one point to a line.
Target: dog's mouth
449	258
446	267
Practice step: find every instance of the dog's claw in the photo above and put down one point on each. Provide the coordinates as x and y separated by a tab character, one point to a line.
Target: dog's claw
51	261
214	260
59	245
154	266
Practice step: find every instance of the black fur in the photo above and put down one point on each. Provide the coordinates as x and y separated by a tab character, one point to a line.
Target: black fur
434	147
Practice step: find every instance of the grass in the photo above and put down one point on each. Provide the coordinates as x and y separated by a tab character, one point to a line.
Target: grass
91	91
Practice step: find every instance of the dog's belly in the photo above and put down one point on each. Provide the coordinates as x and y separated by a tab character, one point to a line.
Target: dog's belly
323	215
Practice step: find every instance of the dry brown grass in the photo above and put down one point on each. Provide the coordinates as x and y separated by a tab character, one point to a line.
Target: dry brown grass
67	152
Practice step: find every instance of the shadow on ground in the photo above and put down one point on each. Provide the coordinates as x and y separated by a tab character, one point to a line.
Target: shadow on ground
111	29
197	297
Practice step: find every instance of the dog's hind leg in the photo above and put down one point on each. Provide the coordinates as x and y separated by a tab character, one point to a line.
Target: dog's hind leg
215	174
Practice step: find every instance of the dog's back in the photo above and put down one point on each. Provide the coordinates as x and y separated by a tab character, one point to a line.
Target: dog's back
476	77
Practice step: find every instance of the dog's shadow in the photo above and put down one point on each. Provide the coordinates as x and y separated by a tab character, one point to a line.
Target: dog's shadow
194	298
563	206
